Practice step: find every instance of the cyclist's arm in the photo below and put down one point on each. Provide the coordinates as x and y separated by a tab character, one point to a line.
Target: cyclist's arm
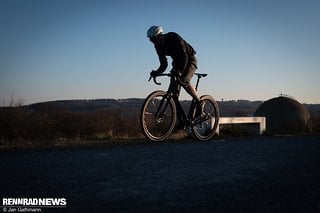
163	62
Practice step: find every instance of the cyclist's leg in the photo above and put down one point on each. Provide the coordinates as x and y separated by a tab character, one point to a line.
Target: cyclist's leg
186	80
186	83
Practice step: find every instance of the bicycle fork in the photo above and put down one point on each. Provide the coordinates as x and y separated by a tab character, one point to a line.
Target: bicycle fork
161	111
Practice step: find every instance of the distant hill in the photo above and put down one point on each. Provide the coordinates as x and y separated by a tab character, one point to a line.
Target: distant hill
133	105
90	105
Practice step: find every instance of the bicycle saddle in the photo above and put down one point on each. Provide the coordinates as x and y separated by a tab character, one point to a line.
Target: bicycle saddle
201	74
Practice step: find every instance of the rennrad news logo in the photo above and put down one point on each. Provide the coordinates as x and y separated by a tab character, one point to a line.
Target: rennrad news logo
31	204
34	201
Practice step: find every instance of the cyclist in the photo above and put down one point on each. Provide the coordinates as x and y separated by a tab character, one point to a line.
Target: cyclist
184	62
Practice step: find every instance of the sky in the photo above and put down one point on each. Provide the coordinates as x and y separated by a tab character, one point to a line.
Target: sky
90	49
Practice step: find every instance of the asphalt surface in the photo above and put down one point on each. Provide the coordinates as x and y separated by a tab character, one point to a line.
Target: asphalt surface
260	174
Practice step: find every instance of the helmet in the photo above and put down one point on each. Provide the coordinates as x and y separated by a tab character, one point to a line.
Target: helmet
154	30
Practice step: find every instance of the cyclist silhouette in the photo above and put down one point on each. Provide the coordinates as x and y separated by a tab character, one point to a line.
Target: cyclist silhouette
184	62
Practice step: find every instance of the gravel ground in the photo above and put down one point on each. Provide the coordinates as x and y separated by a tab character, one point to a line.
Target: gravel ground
260	174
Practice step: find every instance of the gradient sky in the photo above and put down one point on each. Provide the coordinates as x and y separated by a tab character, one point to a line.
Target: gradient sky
68	49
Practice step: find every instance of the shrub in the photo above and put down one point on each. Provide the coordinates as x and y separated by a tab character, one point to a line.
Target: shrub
50	123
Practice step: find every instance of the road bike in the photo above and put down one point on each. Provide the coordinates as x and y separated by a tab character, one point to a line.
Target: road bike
161	110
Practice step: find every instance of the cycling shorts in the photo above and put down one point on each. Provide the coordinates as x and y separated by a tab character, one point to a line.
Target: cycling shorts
189	70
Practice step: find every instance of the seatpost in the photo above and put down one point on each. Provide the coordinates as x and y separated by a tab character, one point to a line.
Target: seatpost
197	82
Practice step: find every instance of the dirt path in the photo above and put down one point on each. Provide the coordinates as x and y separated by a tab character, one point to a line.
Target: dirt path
262	174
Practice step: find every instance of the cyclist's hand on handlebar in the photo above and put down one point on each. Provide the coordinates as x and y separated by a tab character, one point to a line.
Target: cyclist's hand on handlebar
154	73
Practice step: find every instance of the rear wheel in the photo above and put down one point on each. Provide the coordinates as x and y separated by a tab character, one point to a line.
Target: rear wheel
158	116
206	125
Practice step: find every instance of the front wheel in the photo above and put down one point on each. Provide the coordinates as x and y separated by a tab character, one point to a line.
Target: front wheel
158	116
206	125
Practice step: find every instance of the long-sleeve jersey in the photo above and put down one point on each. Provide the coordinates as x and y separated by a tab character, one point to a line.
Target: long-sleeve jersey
180	51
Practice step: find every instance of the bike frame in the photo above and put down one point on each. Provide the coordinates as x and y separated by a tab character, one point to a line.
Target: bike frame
171	93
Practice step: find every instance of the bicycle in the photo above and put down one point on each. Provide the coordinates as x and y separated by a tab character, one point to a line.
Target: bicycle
161	109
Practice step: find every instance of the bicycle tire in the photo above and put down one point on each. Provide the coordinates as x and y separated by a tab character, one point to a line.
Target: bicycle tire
158	116
206	129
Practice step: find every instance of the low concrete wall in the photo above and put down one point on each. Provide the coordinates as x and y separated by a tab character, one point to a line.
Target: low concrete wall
261	121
